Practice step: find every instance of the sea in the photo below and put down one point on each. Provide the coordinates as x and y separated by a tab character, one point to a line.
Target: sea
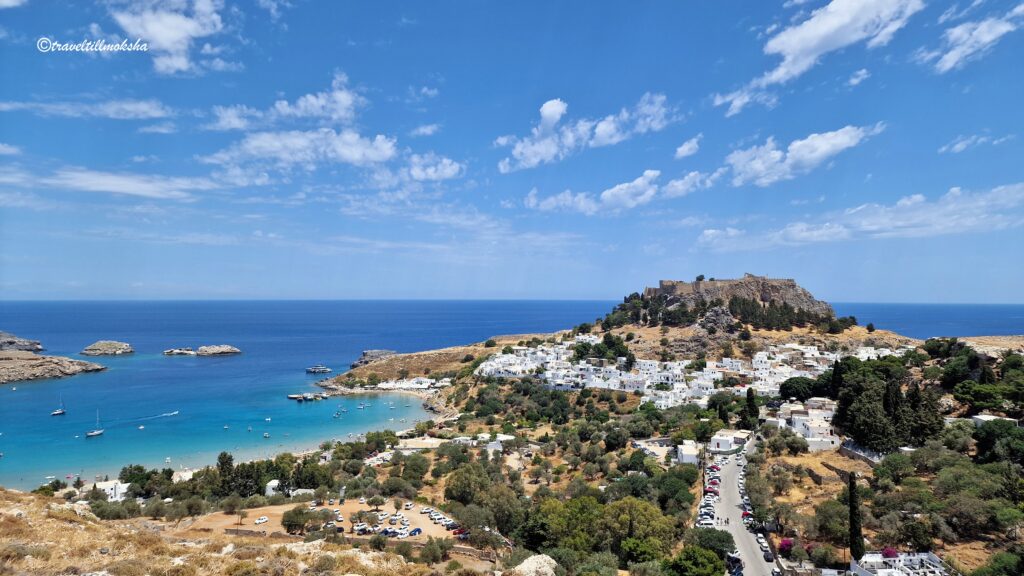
179	412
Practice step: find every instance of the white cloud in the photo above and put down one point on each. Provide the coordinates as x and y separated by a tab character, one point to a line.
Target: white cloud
632	194
565	201
619	197
692	182
690	147
766	164
159	128
232	117
431	167
954	12
858	77
915	216
170	27
287	149
425	130
9	150
114	109
273	7
126	183
965	142
839	24
971	40
11	3
551	140
339	104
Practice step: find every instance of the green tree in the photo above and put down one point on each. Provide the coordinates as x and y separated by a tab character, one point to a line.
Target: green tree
694	561
718	541
856	533
376	502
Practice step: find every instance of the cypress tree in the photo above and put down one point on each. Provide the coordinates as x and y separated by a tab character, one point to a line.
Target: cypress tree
856	534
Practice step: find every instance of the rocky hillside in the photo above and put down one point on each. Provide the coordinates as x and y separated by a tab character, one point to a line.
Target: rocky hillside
756	288
9	341
40	535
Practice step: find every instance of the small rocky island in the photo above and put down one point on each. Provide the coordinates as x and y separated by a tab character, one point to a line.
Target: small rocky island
217	350
107	348
369	356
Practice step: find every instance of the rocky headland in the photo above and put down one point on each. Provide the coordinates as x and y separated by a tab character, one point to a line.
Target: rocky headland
369	356
18	365
107	348
217	350
9	341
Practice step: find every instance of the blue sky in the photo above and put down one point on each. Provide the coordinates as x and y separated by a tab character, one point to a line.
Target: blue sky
871	149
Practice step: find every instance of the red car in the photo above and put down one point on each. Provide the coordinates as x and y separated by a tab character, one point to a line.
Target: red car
715	467
711	491
713	482
459	531
746	514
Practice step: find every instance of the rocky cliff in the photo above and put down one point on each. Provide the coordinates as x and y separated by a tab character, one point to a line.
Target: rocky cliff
756	288
369	356
9	341
18	365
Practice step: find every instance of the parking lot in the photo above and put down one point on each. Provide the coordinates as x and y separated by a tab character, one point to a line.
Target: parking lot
725	507
219	521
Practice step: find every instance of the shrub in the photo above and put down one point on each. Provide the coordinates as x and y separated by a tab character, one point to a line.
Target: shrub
490	343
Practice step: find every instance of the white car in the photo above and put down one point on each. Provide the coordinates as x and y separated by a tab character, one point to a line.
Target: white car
705	524
261	520
408	505
362	500
426	510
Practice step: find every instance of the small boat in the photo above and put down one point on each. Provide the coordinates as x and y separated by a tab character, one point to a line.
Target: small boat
308	396
59	411
167	460
295	397
337	414
267	418
225	426
318	369
344	410
14	388
266	434
97	431
250	428
141	427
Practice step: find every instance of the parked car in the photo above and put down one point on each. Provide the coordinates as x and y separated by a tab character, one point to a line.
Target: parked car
362	500
261	520
768	556
408	505
415	532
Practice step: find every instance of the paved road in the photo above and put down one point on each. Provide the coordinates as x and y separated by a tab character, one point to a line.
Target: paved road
731	507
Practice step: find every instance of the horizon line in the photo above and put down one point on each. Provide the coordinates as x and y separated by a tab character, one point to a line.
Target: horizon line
448	299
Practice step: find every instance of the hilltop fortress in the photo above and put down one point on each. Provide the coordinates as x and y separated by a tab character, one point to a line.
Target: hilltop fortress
758	288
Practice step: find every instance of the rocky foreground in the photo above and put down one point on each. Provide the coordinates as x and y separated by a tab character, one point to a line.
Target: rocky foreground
18	365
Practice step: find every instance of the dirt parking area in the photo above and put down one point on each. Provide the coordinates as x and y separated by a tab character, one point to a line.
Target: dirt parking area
219	521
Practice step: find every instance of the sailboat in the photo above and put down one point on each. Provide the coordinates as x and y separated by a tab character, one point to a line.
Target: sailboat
98	431
59	411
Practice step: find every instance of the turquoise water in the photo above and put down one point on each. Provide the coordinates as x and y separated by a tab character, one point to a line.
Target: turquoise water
278	340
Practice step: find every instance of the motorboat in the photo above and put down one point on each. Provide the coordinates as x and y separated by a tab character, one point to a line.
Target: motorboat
266	434
318	369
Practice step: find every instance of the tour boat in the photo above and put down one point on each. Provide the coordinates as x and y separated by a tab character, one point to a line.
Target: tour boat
266	434
318	369
59	411
295	397
98	431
